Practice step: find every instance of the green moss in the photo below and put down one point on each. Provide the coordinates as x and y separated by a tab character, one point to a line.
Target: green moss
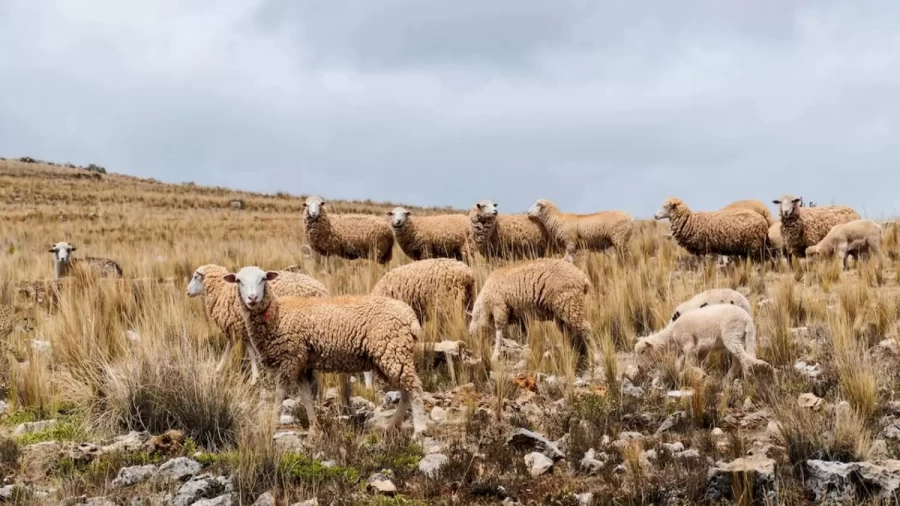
62	431
303	468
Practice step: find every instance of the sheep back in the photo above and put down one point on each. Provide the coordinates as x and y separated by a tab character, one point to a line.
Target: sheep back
350	236
736	232
856	234
806	226
424	284
508	236
751	205
441	236
711	297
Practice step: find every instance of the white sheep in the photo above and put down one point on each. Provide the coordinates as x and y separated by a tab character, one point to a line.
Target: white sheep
64	262
424	237
428	285
544	289
595	232
713	296
296	336
699	332
349	236
860	237
507	236
802	227
225	310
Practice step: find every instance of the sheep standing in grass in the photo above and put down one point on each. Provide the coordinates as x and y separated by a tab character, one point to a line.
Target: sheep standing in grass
595	232
507	236
225	310
64	262
296	336
776	240
751	205
424	237
711	297
860	237
699	332
349	236
737	232
430	284
544	289
803	227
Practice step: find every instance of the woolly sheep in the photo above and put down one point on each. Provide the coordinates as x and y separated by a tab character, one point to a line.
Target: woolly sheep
225	310
702	331
711	297
424	237
802	227
506	236
426	283
776	240
64	262
596	232
543	289
737	232
298	335
349	236
860	237
751	205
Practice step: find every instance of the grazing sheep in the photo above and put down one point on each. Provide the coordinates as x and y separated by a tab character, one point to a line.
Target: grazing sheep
441	236
711	297
803	227
425	284
737	232
544	289
506	236
349	236
64	262
860	237
298	335
595	232
751	205
702	331
225	310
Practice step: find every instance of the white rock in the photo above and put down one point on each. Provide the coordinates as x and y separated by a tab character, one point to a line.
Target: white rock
438	414
133	475
432	463
179	469
537	464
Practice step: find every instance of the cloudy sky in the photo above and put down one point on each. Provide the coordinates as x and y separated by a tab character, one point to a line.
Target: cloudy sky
596	105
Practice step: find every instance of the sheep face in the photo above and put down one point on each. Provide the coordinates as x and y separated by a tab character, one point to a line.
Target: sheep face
398	217
195	286
665	211
486	207
644	352
313	207
538	208
62	251
788	205
251	281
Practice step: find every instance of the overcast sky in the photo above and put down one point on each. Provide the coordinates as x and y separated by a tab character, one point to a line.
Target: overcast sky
595	105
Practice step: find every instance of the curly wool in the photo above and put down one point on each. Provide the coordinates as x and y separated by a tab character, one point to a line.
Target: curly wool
596	232
751	205
711	297
806	226
738	232
776	241
349	236
441	236
858	236
429	284
507	236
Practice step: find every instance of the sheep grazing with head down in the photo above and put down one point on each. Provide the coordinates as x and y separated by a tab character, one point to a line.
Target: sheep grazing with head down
424	237
225	310
803	227
349	236
544	289
506	236
64	262
429	285
296	336
711	297
702	331
736	232
594	232
862	238
751	205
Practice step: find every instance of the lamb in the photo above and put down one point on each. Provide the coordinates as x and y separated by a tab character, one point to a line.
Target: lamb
752	205
860	237
596	232
803	227
736	232
349	236
711	297
298	335
506	236
225	310
441	236
544	289
702	331
64	262
425	284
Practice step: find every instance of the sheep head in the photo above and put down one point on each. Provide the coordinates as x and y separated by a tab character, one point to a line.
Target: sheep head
540	207
788	205
313	207
251	281
485	208
398	217
62	251
668	208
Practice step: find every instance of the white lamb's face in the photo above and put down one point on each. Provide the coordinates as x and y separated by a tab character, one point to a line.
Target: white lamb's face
62	251
663	211
788	205
398	217
251	281
535	209
487	207
313	207
195	286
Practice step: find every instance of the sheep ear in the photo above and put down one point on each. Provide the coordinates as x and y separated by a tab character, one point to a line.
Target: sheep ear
704	304
52	249
479	205
271	275
408	213
776	202
73	248
230	278
389	213
797	200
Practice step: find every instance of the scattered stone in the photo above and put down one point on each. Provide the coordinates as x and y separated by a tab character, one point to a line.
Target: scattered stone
524	438
309	502
287	420
585	499
32	427
680	394
4	407
179	469
266	499
381	484
537	464
839	482
13	493
133	475
592	463
717	433
222	500
688	454
674	447
432	463
201	487
38	459
438	414
758	471
129	443
671	421
629	389
810	371
84	452
431	445
290	441
809	401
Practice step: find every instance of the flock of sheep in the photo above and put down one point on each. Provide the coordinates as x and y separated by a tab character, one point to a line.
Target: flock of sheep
292	326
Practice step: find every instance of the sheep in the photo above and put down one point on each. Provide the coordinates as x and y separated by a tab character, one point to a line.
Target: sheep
298	335
544	289
64	262
702	331
426	283
737	232
225	311
860	237
776	240
710	297
802	227
751	205
506	236
596	232
441	236
349	236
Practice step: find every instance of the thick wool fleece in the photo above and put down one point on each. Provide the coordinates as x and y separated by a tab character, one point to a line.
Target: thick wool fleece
751	205
806	226
428	285
711	297
596	232
441	236
508	236
860	237
739	232
349	236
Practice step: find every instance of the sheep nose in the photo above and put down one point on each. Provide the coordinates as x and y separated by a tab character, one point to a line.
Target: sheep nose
251	298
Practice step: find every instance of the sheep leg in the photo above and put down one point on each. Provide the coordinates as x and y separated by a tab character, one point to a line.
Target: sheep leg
304	385
501	319
370	380
224	358
254	361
